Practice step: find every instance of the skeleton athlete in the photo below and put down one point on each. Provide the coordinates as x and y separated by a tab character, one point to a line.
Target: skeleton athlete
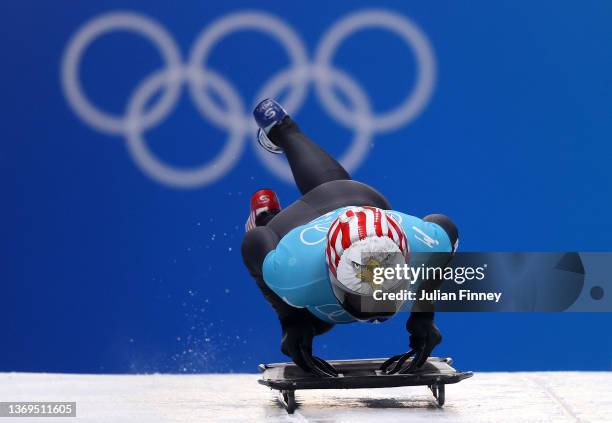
313	260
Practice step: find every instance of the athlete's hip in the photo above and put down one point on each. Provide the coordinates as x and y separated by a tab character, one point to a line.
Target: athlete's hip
326	197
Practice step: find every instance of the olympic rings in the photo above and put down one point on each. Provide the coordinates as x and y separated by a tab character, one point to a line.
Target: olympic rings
411	34
85	36
251	21
235	116
205	173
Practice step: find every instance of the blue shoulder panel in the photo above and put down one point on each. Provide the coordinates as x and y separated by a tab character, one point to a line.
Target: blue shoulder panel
423	236
297	271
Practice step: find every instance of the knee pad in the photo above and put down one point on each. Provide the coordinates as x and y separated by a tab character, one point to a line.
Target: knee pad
445	223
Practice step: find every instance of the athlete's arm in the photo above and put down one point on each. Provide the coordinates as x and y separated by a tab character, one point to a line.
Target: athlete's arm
424	334
298	325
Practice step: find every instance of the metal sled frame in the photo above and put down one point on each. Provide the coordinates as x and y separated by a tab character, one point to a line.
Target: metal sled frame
354	374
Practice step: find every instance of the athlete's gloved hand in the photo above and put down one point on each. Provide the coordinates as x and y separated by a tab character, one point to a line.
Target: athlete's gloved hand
297	344
424	336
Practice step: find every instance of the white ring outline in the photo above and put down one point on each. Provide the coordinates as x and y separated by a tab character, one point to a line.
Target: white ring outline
395	215
411	34
244	21
360	145
126	21
318	228
160	171
299	74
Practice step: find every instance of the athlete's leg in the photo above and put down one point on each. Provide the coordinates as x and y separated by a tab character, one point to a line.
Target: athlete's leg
310	164
324	183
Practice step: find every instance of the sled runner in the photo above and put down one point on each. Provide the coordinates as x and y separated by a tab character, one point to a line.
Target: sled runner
287	378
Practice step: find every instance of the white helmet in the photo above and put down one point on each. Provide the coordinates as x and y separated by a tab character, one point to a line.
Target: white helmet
358	240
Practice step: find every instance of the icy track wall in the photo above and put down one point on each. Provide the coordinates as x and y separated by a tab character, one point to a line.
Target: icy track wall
125	197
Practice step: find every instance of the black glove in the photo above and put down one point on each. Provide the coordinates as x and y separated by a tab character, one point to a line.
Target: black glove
424	336
297	344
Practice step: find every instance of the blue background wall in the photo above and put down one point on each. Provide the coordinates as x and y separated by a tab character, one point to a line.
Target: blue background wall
105	269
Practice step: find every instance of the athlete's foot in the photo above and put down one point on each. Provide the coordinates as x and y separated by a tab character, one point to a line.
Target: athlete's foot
264	206
267	114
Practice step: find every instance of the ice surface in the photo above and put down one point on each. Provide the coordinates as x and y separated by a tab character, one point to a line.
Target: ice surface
487	397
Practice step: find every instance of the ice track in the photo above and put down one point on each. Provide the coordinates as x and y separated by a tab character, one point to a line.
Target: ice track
487	397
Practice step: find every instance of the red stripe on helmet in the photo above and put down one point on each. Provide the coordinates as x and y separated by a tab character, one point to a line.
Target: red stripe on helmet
332	267
377	219
361	225
334	237
331	242
400	234
377	222
346	234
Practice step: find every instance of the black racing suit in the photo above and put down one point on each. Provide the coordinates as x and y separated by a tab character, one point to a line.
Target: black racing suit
325	186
